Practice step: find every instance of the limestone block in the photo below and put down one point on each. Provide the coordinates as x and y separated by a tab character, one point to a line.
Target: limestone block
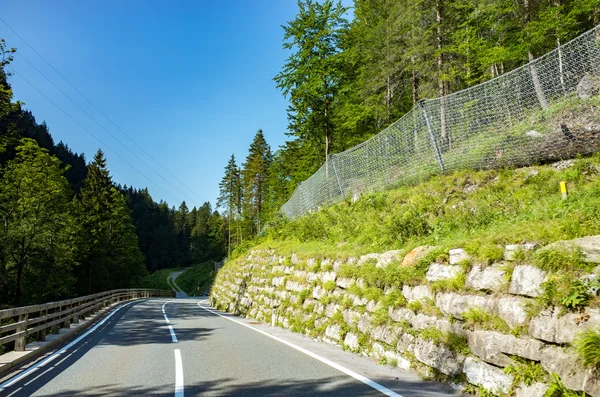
344	282
417	293
388	257
511	309
438	271
311	277
510	250
277	281
402	362
437	356
416	255
294	259
422	321
294	286
327	276
550	326
331	309
319	292
358	301
288	270
277	269
487	376
590	247
364	323
458	255
535	390
351	342
351	317
300	274
488	278
320	322
527	280
373	306
587	87
574	376
367	257
337	264
455	305
494	347
333	332
401	313
385	334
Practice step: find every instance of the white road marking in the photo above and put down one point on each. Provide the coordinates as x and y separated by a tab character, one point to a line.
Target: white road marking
56	354
178	374
365	380
173	337
167	319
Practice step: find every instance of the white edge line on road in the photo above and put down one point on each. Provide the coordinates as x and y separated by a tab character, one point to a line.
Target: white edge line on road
178	374
173	337
365	380
167	319
56	354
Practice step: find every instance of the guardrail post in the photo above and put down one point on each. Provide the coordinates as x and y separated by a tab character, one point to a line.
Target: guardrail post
56	327
22	341
41	336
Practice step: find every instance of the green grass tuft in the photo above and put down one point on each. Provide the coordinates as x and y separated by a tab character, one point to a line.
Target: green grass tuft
587	346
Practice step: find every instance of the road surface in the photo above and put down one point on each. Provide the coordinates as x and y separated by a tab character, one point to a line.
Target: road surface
178	291
161	347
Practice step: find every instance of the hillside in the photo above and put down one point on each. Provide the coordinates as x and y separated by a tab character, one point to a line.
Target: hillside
457	278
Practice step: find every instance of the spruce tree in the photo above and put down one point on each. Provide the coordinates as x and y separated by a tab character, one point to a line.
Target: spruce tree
229	196
255	176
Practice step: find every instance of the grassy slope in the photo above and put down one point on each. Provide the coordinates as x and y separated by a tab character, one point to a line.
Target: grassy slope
476	210
201	275
158	279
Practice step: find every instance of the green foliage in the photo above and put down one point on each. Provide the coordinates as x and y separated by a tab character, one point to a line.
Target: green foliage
558	389
587	346
329	285
564	289
476	318
197	278
454	284
525	371
158	279
559	257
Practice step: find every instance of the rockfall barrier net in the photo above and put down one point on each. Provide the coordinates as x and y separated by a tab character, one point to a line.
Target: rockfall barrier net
542	111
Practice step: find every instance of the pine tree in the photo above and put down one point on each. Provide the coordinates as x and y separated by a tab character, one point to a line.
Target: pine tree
230	196
255	174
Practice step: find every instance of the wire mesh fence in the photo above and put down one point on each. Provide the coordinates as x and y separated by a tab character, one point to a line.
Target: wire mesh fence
538	112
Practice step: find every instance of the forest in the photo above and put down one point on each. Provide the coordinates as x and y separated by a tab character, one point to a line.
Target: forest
68	229
351	72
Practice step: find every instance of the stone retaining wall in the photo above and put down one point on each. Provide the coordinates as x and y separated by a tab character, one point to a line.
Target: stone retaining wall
422	325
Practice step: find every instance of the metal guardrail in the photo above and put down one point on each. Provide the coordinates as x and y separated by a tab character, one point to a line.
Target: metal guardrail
21	323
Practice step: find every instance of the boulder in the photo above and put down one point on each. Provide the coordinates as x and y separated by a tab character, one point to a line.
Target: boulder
487	376
488	278
311	277
527	280
416	255
458	255
438	271
417	293
550	326
294	286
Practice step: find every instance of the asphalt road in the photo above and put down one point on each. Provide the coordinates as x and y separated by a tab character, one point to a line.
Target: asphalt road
180	347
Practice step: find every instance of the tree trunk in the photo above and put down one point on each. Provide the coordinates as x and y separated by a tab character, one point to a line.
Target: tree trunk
415	85
388	99
440	67
532	69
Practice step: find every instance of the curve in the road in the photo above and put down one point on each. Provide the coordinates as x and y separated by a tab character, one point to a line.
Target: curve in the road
178	291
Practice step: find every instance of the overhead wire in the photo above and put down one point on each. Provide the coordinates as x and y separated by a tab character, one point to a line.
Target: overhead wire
102	113
14	72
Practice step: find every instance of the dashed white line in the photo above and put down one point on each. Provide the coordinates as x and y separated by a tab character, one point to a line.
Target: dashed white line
363	379
178	374
173	337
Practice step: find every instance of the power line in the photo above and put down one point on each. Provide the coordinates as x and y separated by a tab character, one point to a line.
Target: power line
86	130
101	126
98	110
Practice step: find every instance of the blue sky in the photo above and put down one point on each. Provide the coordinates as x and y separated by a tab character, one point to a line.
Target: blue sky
189	81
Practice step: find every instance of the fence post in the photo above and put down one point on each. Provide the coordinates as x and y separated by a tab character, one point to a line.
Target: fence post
337	177
22	340
438	155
